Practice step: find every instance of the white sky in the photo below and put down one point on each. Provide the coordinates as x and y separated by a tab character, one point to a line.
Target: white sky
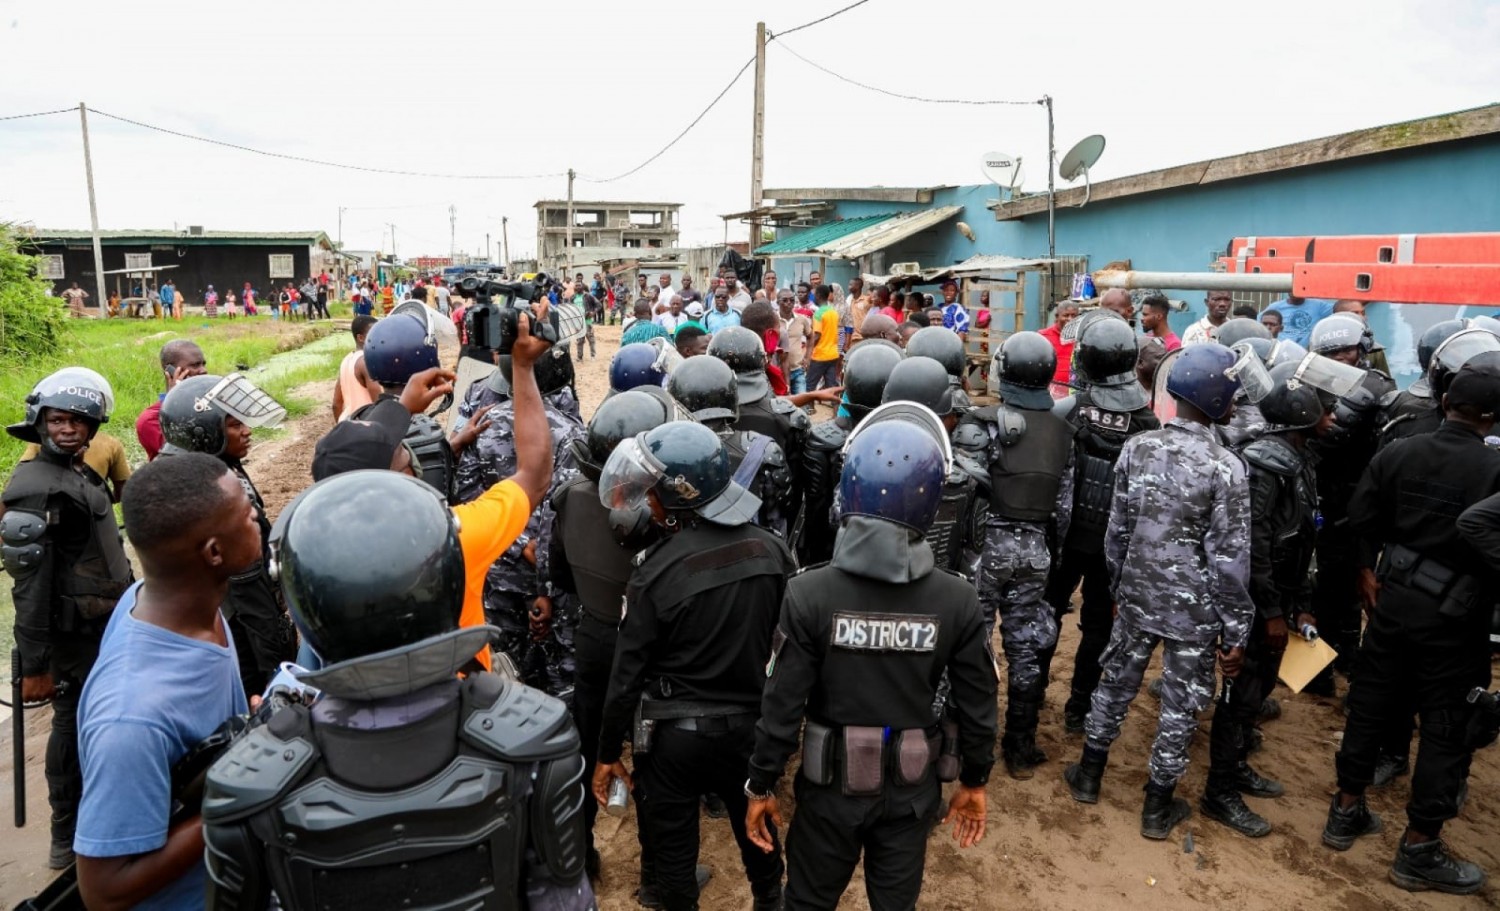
530	88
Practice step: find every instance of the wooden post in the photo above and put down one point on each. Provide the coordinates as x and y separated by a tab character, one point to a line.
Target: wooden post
505	241
758	144
569	234
88	170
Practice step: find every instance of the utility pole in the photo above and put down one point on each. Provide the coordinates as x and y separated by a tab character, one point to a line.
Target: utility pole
342	210
505	242
757	153
487	248
1051	178
452	232
569	236
88	169
393	242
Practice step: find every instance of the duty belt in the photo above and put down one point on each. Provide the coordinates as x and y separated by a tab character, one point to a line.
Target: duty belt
1454	593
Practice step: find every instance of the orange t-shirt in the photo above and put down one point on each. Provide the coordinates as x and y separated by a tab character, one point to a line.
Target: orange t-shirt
487	527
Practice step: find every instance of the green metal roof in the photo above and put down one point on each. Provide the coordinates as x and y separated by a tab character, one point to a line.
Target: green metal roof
182	238
813	238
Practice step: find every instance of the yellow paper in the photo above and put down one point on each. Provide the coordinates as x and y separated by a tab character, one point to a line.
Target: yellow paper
1304	660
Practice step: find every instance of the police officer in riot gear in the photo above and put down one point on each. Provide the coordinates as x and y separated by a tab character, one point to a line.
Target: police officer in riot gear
60	544
1430	601
1418	409
399	346
635	365
449	791
861	647
1246	423
945	347
692	651
215	415
1109	408
1028	453
592	551
760	411
866	372
759	464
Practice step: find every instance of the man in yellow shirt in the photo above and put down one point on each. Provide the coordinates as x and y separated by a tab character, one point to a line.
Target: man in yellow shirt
823	369
373	437
105	455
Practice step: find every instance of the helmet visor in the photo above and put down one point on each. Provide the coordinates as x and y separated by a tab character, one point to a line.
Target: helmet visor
1328	375
439	329
628	474
1285	352
571	323
1254	380
667	357
246	402
913	413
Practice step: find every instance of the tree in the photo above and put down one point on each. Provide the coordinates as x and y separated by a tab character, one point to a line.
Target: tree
31	322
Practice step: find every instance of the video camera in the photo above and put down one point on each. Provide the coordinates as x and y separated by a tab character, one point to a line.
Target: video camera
497	302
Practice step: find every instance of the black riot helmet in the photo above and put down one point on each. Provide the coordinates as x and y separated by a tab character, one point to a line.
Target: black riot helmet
707	388
553	370
740	348
1238	329
1453	354
356	597
922	380
686	466
1435	335
1027	362
940	344
1292	404
193	414
866	373
1105	360
76	390
622	417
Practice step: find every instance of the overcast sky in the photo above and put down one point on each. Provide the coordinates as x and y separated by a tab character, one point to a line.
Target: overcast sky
513	88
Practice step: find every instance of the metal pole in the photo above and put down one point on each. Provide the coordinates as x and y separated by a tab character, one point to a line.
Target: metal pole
1195	281
569	238
341	227
88	170
758	146
452	233
505	242
1051	181
487	248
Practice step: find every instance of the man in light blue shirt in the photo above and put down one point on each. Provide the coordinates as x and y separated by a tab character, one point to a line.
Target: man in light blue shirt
166	678
1298	316
721	316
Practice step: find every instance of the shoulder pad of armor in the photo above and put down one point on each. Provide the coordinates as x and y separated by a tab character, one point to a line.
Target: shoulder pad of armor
22	532
259	766
774	456
561	493
32	482
827	435
970	435
1012	425
1272	456
798	417
519	723
1389	398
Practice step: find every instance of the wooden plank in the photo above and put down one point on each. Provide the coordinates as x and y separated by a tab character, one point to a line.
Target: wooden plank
1372	141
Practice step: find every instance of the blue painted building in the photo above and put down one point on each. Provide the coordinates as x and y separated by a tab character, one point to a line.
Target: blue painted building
1437	175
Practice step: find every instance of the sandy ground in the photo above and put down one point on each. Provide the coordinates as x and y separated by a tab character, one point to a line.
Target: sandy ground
1043	850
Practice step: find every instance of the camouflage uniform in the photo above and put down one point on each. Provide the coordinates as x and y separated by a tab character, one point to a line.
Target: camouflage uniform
513	583
1178	549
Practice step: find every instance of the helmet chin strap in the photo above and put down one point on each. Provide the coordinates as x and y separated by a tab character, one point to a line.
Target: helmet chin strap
53	449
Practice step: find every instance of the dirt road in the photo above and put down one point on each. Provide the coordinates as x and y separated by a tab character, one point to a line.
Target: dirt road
1043	851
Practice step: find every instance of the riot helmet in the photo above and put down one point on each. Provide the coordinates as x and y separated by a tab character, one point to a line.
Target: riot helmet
940	344
1337	332
621	417
867	371
894	471
1284	351
913	413
1200	376
1026	364
1239	329
398	347
1435	335
634	365
76	390
921	380
1487	323
707	388
1292	404
1453	353
1105	360
685	465
194	413
553	369
351	598
745	354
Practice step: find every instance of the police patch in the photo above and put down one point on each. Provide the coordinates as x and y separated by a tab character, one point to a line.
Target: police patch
885	632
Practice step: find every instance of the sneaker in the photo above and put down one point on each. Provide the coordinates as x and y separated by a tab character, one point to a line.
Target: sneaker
1387	768
1344	825
1429	866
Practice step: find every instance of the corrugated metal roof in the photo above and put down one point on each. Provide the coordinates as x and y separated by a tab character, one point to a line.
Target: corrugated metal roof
979	265
148	236
813	239
882	235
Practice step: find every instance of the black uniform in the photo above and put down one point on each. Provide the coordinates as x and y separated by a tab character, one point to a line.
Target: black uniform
692	658
1101	434
255	609
862	644
822	462
63	552
1407	415
1427	634
771	478
778	419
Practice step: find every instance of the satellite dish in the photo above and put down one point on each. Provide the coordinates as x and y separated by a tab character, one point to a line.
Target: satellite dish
1003	169
1079	159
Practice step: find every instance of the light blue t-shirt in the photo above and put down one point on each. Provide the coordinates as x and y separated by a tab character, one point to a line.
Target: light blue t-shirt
1297	322
714	321
151	696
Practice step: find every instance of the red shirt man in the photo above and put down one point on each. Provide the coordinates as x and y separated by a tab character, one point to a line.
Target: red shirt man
1066	312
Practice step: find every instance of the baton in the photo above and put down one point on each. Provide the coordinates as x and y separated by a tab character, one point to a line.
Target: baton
17	737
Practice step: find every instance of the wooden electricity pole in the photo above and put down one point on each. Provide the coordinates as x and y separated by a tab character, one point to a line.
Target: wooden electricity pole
88	169
757	154
505	242
569	236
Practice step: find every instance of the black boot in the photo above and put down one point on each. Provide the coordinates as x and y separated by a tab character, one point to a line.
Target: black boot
1018	746
767	898
60	856
1222	802
1387	767
647	896
1344	825
1249	781
1084	776
1162	812
1428	865
1075	712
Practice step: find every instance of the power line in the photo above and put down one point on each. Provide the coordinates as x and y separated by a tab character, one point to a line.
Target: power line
318	161
838	12
872	88
71	110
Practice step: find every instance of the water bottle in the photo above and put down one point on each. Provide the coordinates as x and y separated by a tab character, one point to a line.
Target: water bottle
619	796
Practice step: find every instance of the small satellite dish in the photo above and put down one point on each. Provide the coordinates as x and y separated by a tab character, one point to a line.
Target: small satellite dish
1081	157
1003	169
